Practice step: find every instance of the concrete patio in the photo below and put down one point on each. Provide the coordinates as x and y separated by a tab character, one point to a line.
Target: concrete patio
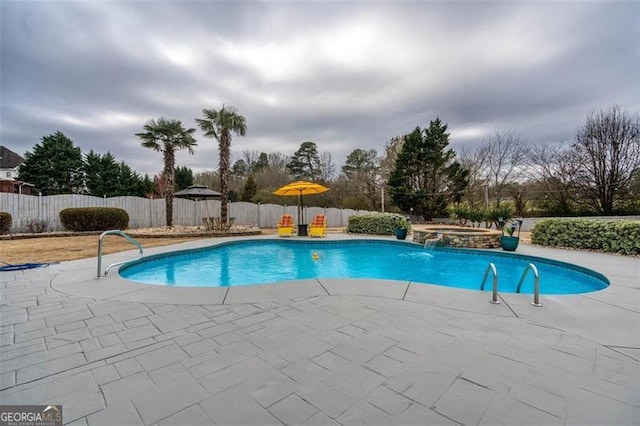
320	352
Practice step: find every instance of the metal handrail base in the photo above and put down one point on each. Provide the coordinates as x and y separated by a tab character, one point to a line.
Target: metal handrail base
122	234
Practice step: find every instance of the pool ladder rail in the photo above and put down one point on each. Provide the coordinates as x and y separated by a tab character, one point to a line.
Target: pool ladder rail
491	268
122	234
536	283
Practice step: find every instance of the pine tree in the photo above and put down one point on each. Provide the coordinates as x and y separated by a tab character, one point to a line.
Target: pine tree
102	174
426	176
250	189
184	178
54	167
305	163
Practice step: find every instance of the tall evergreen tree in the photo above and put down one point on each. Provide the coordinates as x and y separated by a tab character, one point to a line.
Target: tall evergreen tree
184	178
131	183
240	168
250	189
305	163
426	176
54	167
146	187
262	163
405	181
102	174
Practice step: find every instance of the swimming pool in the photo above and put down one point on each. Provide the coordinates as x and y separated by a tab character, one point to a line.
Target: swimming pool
250	262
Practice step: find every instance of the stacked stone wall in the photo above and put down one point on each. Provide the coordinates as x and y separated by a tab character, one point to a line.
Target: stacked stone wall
485	240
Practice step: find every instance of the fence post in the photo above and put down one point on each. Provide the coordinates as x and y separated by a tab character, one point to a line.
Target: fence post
195	210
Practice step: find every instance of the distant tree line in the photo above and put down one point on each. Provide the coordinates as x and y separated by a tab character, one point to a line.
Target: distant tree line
57	166
597	172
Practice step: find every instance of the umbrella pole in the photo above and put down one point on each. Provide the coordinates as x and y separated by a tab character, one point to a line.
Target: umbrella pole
302	227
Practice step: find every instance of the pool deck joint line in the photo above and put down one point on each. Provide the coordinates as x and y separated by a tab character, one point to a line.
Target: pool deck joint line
406	290
323	287
329	351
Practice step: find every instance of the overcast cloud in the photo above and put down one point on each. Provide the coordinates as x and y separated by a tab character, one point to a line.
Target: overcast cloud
344	75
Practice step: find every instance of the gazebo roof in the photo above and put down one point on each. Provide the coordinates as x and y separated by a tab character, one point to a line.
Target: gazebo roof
198	192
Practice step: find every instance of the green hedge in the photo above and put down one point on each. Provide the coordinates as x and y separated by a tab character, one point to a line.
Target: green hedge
377	223
5	222
80	219
620	236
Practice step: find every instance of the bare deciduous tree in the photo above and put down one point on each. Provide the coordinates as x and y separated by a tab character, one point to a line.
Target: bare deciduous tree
387	164
327	167
554	170
607	147
505	154
474	161
388	161
278	160
360	170
250	157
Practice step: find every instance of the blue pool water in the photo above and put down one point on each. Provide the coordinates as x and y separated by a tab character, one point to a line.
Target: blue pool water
267	261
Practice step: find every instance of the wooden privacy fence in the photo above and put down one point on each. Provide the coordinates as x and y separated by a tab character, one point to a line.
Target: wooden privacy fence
146	212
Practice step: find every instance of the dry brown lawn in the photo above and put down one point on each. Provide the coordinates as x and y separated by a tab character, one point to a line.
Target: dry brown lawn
58	249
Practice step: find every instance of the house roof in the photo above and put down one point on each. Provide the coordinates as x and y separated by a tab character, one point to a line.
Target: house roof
9	159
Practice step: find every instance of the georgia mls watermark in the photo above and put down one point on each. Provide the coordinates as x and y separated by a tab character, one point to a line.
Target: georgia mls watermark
30	415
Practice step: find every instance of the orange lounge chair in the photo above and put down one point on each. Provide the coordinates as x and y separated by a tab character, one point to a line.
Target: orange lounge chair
318	228
285	226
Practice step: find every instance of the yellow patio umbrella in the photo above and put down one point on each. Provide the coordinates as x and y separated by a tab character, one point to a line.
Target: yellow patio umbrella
300	188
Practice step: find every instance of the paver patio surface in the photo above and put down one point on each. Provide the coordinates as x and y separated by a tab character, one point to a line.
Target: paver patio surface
338	353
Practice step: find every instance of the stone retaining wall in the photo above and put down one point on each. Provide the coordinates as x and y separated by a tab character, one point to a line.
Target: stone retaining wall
458	239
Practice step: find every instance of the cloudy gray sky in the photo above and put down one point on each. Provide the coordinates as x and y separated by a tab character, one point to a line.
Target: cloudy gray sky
342	74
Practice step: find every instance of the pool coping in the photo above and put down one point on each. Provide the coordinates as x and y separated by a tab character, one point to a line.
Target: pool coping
585	314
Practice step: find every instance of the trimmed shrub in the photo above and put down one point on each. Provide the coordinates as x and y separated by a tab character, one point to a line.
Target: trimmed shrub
620	236
5	222
80	219
377	223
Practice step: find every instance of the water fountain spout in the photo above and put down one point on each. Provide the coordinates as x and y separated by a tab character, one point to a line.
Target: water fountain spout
432	242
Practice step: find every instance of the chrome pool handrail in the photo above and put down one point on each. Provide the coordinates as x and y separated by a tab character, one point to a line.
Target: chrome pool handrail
122	234
491	268
536	283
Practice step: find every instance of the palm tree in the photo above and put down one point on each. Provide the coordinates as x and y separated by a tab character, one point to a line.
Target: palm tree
219	123
167	136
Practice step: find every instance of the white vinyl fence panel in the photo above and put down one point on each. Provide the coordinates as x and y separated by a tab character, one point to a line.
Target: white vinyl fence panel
146	212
